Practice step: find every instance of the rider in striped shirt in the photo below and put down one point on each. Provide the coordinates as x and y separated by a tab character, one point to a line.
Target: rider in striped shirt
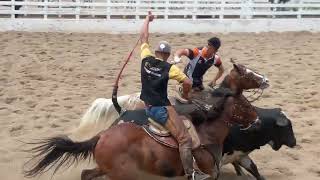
201	59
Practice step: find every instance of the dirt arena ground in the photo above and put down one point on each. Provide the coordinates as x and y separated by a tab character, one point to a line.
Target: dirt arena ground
48	80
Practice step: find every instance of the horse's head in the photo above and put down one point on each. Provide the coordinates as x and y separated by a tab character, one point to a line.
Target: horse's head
233	109
245	78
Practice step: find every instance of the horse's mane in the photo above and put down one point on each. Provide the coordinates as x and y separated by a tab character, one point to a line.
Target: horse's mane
225	83
215	98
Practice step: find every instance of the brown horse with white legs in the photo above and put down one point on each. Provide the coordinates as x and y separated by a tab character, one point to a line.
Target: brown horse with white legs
125	150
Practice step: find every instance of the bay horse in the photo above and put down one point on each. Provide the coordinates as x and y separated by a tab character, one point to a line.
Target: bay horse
124	150
101	115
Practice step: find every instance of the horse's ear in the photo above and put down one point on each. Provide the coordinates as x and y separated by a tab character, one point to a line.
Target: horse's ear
236	67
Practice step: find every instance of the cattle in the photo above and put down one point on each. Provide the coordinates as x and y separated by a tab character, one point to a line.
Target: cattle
276	130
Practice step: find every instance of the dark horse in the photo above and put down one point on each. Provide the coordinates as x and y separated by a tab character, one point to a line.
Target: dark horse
124	150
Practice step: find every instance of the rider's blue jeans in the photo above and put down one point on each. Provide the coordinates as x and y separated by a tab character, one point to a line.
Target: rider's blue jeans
158	114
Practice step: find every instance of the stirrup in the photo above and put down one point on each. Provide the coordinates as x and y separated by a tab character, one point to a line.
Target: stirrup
193	175
194	172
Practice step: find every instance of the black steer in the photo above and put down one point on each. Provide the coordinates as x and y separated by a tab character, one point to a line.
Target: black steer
276	130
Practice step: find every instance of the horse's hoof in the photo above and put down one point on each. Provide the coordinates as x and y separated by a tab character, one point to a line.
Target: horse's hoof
261	178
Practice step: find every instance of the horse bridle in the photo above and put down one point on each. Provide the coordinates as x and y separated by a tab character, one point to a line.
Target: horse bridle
254	92
250	125
257	90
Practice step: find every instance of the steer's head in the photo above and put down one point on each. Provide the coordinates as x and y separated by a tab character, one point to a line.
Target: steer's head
283	133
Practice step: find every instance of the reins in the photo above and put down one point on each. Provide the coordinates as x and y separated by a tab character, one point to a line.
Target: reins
254	92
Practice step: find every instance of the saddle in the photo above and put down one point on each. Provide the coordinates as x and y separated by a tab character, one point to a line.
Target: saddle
156	131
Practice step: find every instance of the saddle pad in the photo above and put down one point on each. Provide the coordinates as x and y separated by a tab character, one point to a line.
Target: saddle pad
135	116
157	128
162	136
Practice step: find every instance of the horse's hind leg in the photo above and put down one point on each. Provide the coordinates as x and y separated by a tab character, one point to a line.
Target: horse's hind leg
90	174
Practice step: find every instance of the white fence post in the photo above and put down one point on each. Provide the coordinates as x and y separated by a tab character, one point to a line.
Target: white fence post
45	16
108	8
274	9
78	10
223	2
137	9
26	8
300	9
59	15
166	10
12	9
93	8
246	9
195	10
249	9
243	8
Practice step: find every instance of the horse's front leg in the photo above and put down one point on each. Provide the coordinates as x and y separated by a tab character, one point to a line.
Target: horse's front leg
90	174
203	160
206	162
215	151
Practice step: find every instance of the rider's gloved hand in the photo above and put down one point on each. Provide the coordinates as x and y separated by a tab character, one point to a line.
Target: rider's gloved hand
176	60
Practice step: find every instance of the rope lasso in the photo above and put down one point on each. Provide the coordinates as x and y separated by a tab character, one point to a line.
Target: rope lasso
115	86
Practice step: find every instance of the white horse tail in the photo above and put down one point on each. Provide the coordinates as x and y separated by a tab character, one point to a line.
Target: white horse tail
102	114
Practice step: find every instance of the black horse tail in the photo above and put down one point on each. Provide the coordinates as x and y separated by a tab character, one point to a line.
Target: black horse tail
115	87
115	100
58	151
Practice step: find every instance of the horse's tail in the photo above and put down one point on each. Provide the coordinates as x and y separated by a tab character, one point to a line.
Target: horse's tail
101	115
114	97
57	151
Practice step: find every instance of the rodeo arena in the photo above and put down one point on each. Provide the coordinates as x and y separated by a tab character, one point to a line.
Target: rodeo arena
159	89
